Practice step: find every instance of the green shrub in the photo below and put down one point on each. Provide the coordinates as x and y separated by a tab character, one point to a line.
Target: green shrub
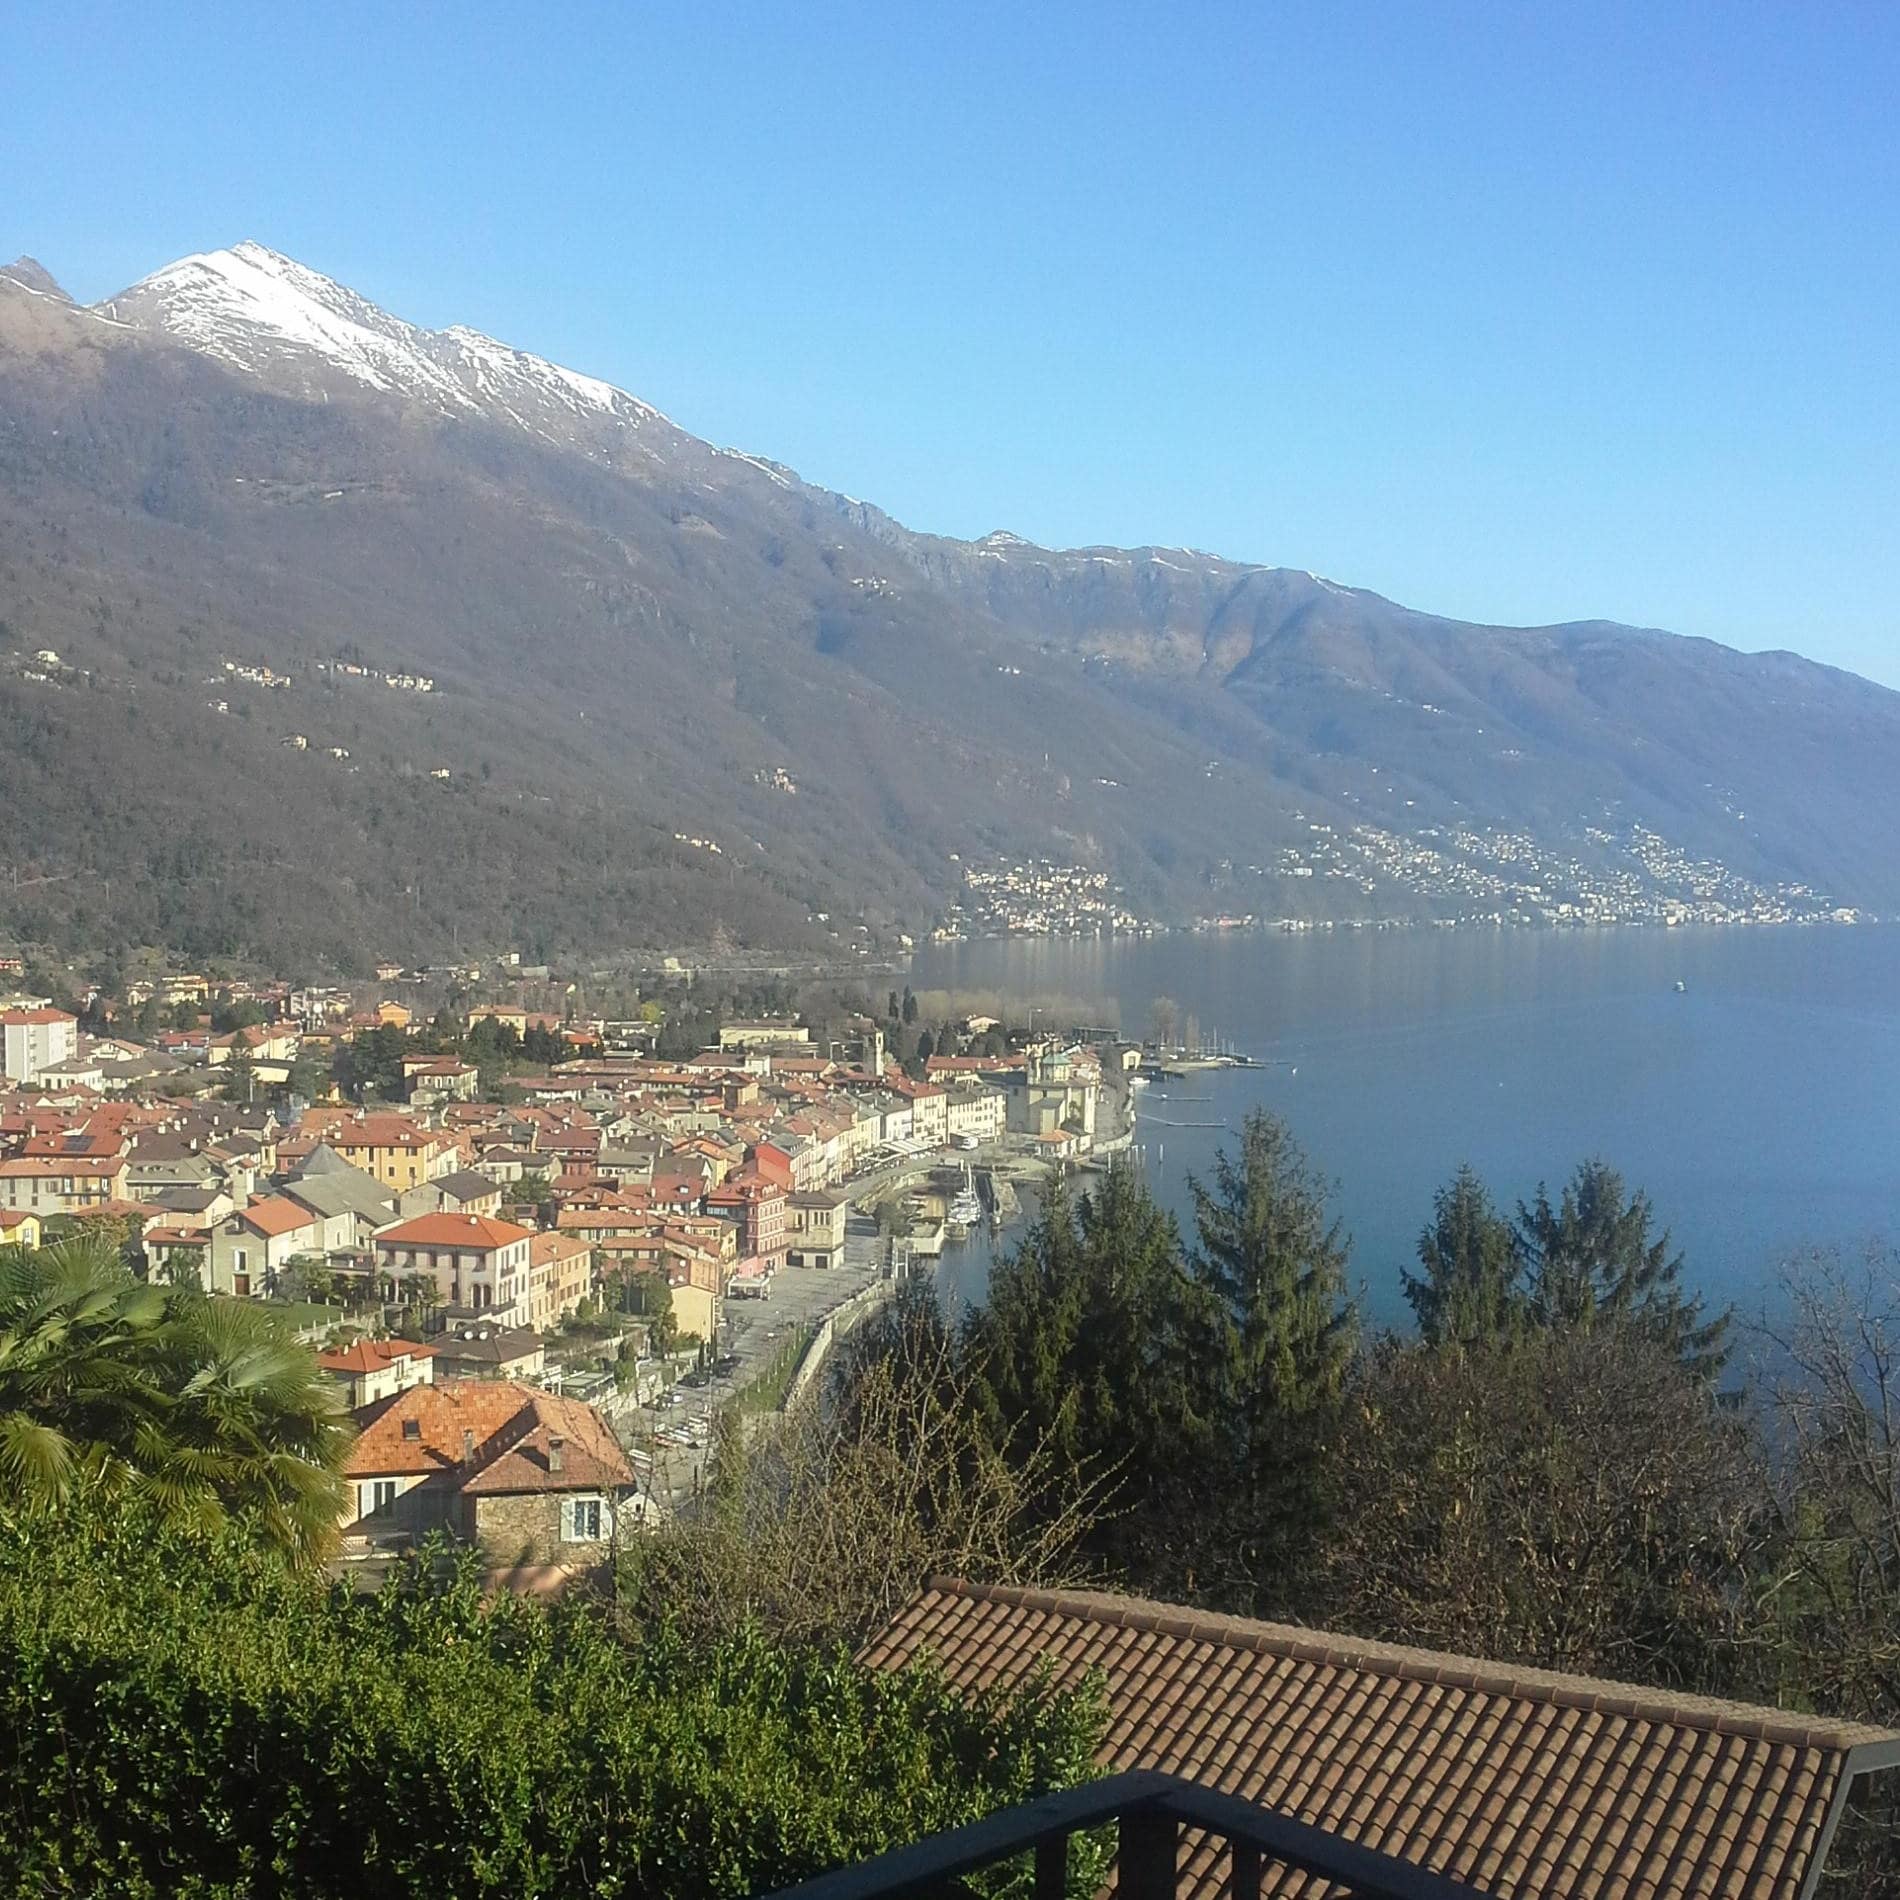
195	1717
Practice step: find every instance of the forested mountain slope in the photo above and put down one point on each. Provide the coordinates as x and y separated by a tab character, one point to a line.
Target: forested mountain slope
642	647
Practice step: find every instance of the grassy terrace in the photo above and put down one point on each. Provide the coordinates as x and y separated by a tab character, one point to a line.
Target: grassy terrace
767	1392
295	1315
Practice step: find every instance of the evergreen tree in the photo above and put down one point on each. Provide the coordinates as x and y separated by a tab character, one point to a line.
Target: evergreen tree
1274	1264
371	1063
310	1075
1590	1260
1143	1396
1086	1350
1023	1334
1470	1287
240	1074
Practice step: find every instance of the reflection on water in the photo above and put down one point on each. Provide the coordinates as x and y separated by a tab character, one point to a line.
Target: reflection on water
1759	1104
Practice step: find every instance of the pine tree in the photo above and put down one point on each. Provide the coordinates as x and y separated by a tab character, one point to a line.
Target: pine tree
1087	1346
240	1074
1470	1289
1021	1339
1140	1372
1590	1260
1274	1263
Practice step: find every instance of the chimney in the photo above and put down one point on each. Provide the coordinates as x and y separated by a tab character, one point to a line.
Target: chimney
557	1445
468	1446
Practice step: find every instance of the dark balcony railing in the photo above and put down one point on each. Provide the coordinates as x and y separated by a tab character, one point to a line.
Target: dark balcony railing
1149	1811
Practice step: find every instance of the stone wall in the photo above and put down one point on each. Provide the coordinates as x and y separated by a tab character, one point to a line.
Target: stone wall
524	1530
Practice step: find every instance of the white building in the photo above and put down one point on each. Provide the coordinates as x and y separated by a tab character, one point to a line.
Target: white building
38	1039
979	1112
476	1261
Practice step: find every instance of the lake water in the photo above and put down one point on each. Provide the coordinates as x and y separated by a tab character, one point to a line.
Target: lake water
1760	1106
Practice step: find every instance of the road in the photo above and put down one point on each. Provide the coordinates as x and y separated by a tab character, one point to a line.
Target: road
751	1333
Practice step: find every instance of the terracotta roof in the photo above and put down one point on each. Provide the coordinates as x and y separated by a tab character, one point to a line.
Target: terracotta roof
276	1216
480	1231
78	1141
166	1234
512	1425
27	1018
1517	1782
372	1355
369	1131
35	1167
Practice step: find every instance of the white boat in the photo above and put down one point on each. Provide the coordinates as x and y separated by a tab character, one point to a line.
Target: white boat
967	1209
1138	1081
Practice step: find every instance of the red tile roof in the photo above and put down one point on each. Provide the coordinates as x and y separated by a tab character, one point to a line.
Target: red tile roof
478	1232
511	1425
1517	1782
275	1216
367	1131
372	1355
76	1141
48	1167
167	1234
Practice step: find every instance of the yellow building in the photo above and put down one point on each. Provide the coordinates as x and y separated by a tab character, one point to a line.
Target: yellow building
394	1150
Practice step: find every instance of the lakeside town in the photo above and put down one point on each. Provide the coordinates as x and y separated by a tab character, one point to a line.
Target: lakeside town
538	1266
1441	877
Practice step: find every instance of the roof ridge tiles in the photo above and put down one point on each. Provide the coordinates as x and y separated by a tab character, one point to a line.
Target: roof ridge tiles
1590	1694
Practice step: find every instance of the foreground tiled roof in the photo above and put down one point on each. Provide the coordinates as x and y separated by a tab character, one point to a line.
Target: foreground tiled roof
1517	1782
494	1435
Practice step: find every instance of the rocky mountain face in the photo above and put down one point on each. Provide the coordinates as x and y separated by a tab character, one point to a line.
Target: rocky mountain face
674	693
30	274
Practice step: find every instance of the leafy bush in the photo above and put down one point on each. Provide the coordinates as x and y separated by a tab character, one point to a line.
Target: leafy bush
193	1716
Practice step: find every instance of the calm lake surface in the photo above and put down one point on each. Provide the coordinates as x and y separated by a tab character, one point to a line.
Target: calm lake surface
1760	1106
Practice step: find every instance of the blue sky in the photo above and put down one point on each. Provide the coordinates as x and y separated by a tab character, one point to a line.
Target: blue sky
1513	312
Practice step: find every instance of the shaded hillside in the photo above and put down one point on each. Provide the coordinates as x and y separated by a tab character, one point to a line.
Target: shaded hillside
642	647
615	661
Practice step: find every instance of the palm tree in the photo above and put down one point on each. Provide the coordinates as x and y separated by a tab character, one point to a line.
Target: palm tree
75	1328
208	1410
419	1290
255	1430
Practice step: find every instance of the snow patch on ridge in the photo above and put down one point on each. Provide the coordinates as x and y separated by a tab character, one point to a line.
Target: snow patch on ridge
258	311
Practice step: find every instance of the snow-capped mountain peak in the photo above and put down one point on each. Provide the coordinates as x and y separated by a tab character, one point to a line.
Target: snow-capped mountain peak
303	333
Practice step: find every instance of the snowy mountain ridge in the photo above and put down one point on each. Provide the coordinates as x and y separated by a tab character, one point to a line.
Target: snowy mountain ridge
264	314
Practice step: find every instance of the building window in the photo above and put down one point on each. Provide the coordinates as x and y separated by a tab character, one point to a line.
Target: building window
583	1520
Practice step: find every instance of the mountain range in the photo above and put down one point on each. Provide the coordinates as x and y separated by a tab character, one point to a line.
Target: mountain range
675	695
